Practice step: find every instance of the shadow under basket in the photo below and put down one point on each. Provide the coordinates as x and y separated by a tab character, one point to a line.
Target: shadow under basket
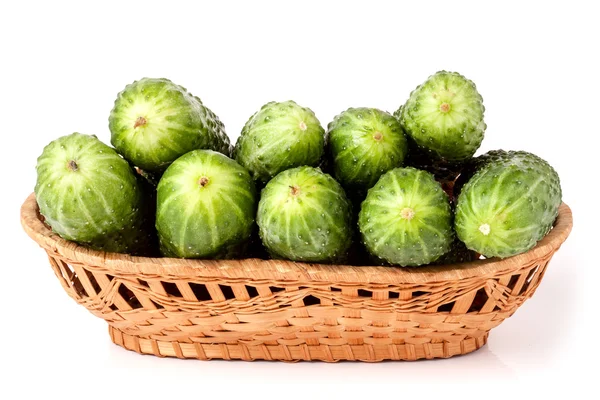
254	309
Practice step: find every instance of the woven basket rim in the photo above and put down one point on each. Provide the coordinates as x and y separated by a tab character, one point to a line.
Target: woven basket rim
283	270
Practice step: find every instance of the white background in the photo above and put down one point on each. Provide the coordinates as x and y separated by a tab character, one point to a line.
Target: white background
535	65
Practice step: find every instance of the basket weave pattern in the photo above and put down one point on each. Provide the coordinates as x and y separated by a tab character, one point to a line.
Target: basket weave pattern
281	310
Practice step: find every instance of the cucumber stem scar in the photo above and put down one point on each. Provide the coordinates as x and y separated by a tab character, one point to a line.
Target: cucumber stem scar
485	229
302	125
203	181
378	136
445	107
72	165
295	190
140	121
407	213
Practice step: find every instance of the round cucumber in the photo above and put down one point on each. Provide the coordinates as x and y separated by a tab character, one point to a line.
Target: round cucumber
155	121
406	218
88	194
304	215
508	204
278	137
205	207
444	117
364	144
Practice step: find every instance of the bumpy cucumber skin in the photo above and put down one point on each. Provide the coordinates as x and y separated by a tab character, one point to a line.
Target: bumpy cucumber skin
280	136
100	204
472	165
313	225
211	221
454	135
364	143
175	123
514	196
397	240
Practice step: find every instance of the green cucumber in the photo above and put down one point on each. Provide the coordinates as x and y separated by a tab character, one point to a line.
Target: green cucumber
155	121
278	137
304	215
206	204
508	204
406	218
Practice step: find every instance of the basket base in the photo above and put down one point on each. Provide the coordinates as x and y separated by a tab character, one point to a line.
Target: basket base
330	353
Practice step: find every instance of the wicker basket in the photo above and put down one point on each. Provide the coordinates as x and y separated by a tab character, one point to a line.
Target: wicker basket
255	309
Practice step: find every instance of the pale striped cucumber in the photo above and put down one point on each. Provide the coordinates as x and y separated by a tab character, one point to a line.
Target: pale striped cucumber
509	204
88	194
304	215
364	144
278	137
406	218
206	204
444	117
155	121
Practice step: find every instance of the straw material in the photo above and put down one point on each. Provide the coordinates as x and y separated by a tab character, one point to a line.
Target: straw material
254	309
